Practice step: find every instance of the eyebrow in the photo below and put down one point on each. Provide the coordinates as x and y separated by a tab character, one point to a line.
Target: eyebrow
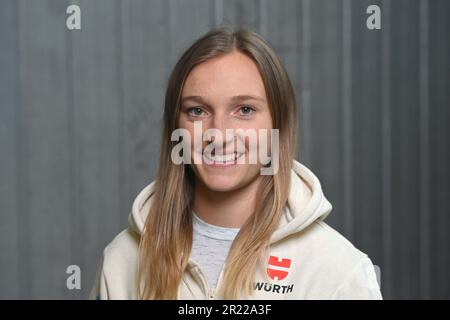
233	99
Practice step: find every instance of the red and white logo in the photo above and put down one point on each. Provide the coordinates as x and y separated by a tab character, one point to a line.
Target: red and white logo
278	268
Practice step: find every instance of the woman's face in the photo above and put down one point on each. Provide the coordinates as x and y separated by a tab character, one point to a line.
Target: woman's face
223	93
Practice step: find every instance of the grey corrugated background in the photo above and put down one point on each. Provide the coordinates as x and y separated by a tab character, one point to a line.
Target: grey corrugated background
80	119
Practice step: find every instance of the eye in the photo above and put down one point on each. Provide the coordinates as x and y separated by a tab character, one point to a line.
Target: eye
246	110
195	111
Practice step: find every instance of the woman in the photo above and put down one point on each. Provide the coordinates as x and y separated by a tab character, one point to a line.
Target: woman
220	228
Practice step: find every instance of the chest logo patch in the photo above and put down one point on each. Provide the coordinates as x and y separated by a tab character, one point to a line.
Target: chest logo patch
278	268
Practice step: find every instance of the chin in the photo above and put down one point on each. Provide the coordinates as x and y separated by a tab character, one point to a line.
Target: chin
224	184
225	180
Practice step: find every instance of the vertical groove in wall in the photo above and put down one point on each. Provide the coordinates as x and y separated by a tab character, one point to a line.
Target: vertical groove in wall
212	13
9	250
262	16
168	38
22	174
219	11
424	151
19	165
347	149
123	196
386	271
216	13
305	148
74	216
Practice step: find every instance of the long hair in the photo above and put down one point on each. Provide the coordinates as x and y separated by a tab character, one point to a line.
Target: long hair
166	240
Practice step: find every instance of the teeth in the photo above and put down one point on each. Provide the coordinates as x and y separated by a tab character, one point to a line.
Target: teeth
223	158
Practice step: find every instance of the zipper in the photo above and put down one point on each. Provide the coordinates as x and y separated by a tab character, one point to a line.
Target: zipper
212	292
209	292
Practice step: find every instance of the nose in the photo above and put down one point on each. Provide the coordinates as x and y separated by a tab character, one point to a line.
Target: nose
219	124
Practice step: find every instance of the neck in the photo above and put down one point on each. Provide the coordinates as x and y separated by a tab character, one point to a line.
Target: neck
229	209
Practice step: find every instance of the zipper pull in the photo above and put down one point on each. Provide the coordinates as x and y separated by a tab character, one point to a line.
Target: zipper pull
211	293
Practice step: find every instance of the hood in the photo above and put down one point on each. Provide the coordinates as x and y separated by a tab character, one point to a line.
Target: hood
306	203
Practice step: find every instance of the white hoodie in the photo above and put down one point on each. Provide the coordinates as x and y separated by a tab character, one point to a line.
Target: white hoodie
307	258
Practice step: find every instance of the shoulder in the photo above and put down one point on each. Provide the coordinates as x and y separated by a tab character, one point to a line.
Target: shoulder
123	246
344	270
330	244
117	274
120	255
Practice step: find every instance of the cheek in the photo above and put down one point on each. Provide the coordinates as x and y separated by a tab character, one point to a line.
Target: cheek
262	121
262	126
187	125
183	122
266	124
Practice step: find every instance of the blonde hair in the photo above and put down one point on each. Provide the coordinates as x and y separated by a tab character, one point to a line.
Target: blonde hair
166	240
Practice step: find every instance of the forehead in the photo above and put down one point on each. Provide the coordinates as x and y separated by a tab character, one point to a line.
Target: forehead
225	76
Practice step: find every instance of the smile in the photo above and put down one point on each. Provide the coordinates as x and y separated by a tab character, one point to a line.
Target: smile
222	160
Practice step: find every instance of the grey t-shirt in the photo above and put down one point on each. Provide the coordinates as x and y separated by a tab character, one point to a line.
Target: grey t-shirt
210	247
